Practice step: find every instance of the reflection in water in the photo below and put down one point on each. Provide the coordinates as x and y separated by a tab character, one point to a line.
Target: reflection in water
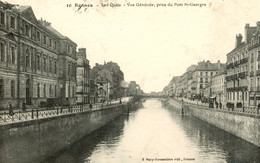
157	132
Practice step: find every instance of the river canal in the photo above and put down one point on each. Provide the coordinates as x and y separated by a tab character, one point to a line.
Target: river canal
154	133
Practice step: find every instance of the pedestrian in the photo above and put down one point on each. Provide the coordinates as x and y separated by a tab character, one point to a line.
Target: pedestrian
90	106
23	107
10	108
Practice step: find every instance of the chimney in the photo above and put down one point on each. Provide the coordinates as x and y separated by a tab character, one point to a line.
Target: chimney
82	53
238	39
218	64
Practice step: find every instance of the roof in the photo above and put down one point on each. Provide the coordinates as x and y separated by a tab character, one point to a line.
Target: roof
242	45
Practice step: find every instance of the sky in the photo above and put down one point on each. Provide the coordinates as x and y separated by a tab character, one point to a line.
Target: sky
150	44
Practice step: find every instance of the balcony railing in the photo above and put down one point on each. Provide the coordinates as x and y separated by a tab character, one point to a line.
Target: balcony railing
255	88
229	66
232	77
251	73
237	89
257	73
193	88
244	60
242	75
236	63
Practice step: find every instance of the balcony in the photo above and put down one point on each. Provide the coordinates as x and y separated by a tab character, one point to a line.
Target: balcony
243	88
255	88
242	75
238	89
193	88
228	78
251	73
236	63
257	73
244	60
229	66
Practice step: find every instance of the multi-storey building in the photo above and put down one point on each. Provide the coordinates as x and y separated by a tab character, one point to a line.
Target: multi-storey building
37	63
254	67
238	65
83	78
218	87
202	76
190	80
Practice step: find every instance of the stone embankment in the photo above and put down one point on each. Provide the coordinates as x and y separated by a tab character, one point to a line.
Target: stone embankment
245	126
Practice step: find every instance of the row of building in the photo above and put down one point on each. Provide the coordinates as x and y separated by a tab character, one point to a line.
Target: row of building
235	83
39	66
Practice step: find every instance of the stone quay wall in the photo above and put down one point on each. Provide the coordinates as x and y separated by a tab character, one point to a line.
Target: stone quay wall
241	125
35	140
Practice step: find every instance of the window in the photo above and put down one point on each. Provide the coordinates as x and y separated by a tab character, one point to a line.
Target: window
44	64
50	42
44	39
38	62
69	70
200	73
38	90
12	89
44	90
55	44
2	52
50	65
55	67
1	88
27	60
2	17
27	30
206	73
252	58
201	86
12	22
72	91
38	36
211	73
12	54
50	91
201	80
55	91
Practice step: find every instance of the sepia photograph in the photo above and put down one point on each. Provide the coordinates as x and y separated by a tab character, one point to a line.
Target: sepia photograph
129	81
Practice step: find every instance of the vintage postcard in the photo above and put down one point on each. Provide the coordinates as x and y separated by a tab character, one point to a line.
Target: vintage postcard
133	81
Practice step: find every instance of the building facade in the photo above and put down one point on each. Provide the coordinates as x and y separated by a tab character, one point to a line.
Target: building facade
218	86
241	67
83	77
254	67
202	75
37	64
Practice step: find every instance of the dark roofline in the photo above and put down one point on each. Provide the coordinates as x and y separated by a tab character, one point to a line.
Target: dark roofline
242	45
